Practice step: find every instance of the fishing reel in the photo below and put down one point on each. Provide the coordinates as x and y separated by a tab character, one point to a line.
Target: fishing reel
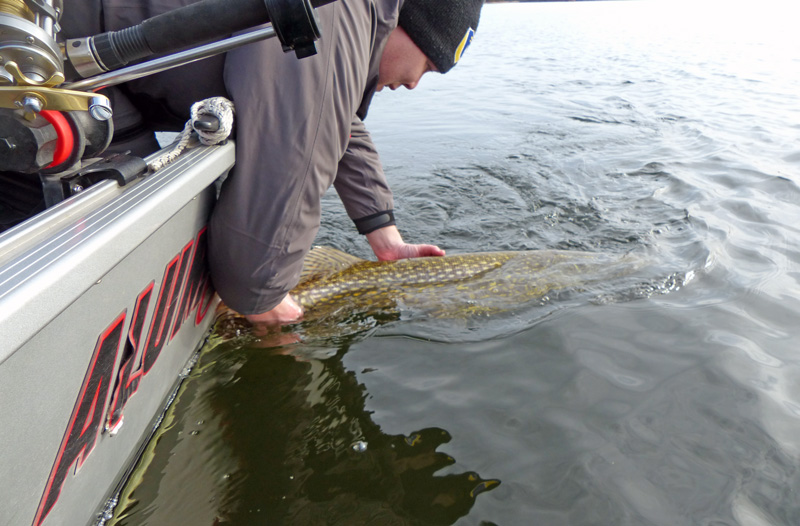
42	127
49	123
30	54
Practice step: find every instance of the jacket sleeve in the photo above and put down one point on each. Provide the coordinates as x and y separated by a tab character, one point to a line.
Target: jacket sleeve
361	183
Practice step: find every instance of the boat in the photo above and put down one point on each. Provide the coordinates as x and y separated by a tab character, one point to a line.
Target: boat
105	296
104	300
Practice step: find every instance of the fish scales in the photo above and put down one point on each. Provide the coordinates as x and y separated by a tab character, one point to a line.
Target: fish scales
479	282
334	282
392	277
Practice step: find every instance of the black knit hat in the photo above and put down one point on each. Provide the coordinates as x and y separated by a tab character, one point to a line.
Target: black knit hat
442	29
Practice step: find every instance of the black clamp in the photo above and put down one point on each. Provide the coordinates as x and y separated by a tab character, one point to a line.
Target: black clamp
120	167
295	23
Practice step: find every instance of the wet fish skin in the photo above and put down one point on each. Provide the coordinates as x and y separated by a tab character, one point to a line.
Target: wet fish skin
458	285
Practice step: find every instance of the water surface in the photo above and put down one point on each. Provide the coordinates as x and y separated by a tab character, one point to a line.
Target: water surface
668	128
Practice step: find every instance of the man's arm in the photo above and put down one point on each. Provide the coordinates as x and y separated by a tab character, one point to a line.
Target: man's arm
361	183
362	186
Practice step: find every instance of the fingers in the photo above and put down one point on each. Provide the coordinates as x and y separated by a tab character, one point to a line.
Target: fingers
405	251
428	251
388	245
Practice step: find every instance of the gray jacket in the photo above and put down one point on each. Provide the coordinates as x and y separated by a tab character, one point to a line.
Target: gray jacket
299	129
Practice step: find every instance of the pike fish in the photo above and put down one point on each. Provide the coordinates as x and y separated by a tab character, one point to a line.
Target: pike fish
460	285
336	289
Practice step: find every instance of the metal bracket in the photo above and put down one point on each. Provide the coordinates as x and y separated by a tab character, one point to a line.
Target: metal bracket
37	98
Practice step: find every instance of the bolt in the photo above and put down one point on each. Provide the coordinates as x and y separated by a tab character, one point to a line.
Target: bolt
76	189
30	40
32	104
100	109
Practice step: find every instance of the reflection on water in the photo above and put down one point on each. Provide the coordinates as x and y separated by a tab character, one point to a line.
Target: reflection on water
301	449
669	128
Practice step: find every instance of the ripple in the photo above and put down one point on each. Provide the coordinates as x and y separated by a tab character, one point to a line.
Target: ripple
747	346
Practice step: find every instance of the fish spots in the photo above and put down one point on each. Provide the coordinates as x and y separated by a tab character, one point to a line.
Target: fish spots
466	284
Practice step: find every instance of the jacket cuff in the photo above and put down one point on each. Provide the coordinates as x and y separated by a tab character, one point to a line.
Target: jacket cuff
373	222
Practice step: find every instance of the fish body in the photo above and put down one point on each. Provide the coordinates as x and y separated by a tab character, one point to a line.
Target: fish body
458	285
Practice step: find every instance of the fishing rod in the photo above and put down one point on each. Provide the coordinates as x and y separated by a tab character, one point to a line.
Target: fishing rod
50	114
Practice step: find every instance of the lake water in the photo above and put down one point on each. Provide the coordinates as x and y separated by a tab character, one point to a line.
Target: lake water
667	128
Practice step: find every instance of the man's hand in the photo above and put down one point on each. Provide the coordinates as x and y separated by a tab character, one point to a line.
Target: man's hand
388	245
287	311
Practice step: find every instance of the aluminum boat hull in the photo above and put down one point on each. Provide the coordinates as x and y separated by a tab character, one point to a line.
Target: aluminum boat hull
104	299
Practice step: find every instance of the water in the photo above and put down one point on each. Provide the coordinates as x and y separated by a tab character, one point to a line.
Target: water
670	128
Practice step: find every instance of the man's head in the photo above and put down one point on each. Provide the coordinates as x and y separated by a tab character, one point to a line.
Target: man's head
442	29
431	36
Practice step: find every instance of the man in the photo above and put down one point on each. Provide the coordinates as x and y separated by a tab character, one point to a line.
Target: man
299	129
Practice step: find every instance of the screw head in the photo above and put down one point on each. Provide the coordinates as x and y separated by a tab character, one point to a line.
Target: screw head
100	109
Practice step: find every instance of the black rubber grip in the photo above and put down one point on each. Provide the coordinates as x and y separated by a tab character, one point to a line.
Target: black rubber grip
201	22
181	28
117	48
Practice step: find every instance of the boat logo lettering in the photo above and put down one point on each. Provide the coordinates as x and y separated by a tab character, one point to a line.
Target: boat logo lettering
187	272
